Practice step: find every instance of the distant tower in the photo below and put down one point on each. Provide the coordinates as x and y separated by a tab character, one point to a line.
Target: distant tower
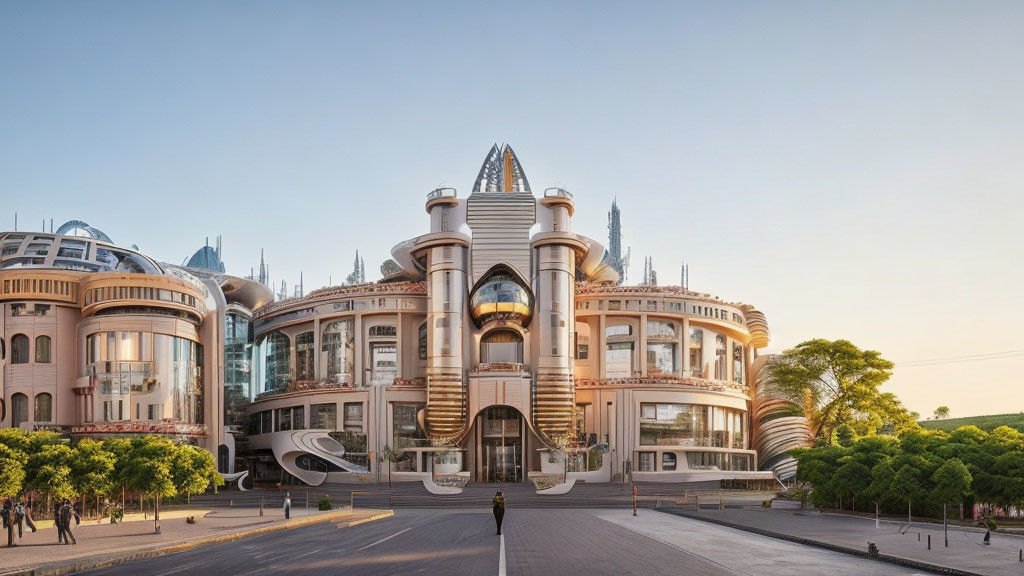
283	294
684	276
264	277
219	255
617	261
358	275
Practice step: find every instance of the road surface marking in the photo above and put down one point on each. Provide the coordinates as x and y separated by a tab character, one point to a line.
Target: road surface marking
501	557
383	539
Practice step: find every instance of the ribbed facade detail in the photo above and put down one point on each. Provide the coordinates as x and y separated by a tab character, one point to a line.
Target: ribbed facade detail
501	223
779	425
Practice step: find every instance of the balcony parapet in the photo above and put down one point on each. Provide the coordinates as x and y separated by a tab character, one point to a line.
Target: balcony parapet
667	380
129	427
442	196
499	367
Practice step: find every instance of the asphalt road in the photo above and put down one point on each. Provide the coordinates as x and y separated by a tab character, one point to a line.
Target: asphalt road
457	542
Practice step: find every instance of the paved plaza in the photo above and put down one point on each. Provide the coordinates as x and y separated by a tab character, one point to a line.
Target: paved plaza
893	537
535	541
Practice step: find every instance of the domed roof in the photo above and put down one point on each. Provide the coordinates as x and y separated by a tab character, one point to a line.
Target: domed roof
82	230
206	258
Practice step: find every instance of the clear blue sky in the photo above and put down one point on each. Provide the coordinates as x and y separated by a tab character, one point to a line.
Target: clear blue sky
852	169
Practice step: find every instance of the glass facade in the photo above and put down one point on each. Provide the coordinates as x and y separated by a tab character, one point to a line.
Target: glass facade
276	356
338	352
719	460
692	425
238	341
132	370
304	353
696	352
501	346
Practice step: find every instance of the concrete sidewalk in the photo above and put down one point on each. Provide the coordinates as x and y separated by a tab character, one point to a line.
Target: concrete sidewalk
105	544
966	554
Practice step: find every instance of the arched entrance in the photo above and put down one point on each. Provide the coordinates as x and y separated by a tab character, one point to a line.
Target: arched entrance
500	438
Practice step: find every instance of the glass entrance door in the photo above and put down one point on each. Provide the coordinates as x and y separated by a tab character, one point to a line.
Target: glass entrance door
501	445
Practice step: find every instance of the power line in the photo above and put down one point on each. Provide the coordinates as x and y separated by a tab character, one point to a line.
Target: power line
961	359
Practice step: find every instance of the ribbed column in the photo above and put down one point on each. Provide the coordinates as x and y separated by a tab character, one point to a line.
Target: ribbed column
446	388
555	391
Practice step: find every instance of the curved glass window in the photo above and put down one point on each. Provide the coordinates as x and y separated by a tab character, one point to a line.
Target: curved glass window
19	409
501	346
145	376
42	349
237	368
44	408
501	295
338	352
276	351
692	425
668	461
19	349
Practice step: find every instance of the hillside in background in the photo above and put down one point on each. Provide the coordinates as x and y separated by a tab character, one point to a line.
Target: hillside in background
986	423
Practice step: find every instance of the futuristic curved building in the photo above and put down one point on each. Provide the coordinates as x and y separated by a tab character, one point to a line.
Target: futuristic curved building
498	346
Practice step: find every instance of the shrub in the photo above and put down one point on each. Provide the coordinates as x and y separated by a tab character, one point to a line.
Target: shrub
324	504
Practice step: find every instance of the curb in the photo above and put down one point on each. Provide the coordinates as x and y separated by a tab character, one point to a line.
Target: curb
905	562
106	560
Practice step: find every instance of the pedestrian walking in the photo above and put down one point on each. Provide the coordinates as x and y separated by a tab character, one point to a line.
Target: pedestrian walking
61	537
499	509
7	513
67	512
287	505
28	516
19	517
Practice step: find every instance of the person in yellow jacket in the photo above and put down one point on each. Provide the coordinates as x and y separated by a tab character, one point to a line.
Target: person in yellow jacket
499	509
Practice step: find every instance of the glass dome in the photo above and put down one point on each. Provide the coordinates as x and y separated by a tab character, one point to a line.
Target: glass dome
501	295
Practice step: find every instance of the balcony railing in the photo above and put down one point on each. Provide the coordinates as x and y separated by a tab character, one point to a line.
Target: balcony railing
557	193
442	193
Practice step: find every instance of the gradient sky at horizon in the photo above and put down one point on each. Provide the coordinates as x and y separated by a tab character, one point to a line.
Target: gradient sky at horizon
852	169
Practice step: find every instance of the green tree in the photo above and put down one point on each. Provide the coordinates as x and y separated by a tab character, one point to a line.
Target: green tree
13	477
91	469
193	470
851	479
952	483
941	413
48	471
149	470
906	486
842	382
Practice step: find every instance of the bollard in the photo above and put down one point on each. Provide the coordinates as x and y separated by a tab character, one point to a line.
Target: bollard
231	503
929	541
1020	555
261	505
918	536
721	506
697	500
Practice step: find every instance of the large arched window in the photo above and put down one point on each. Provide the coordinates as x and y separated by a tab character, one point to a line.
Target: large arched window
697	352
338	352
618	354
42	349
44	408
500	346
276	361
719	357
19	409
661	347
19	349
304	366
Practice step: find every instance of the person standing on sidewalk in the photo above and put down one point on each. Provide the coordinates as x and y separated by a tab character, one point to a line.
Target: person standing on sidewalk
287	505
499	509
61	537
67	511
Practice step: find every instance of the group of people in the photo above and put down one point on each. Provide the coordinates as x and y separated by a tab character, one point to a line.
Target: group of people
16	515
19	515
63	512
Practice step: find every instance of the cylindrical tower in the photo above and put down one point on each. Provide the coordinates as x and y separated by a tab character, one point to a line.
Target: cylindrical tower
554	286
446	286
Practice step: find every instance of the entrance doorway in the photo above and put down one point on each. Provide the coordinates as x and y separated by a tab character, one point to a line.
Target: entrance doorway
501	445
